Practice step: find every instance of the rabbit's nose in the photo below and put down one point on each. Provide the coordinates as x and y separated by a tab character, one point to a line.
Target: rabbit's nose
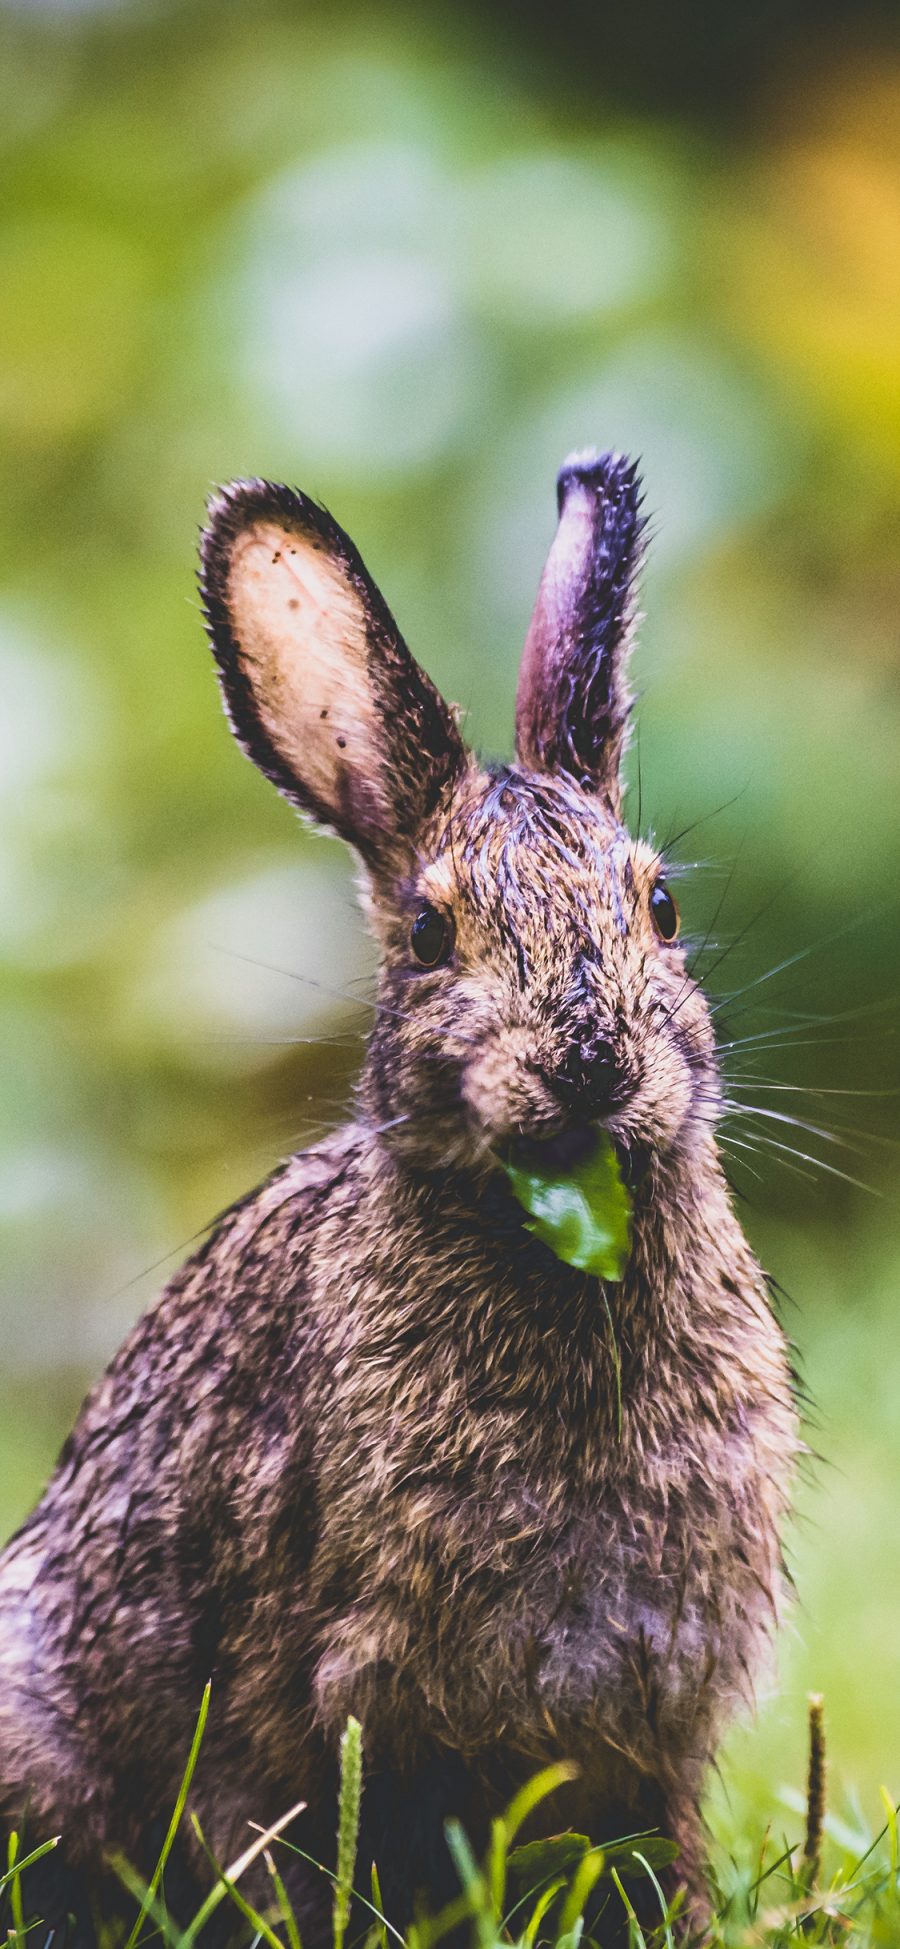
590	1078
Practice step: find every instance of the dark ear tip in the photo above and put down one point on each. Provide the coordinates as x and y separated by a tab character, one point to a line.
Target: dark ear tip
235	507
241	502
610	476
226	502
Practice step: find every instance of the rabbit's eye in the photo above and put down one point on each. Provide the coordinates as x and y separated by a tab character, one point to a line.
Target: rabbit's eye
664	911
432	937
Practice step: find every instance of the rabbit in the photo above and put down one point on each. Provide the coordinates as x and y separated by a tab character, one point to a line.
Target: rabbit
377	1449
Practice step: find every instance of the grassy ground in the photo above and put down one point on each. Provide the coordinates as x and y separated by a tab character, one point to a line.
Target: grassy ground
809	1888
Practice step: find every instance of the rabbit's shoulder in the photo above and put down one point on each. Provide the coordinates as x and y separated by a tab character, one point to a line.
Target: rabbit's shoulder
234	1333
191	1468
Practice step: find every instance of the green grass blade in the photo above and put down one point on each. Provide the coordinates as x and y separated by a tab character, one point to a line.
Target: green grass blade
663	1904
529	1933
284	1902
496	1867
151	1903
378	1907
15	1886
892	1833
474	1884
175	1822
348	1827
252	1915
262	1929
586	1875
636	1938
228	1876
36	1854
464	1860
332	1877
430	1929
534	1791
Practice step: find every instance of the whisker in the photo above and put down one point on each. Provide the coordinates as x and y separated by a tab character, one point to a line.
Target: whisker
810	1089
758	1149
774	1143
766	908
740	1162
681	998
308	981
790	960
374	1002
174	1253
345	1037
796	1123
785	1038
673	840
393	1123
737	1143
837	1133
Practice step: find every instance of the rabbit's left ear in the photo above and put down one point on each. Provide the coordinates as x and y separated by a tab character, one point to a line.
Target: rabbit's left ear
319	685
573	700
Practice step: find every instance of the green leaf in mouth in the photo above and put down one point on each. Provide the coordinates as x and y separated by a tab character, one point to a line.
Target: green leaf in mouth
582	1209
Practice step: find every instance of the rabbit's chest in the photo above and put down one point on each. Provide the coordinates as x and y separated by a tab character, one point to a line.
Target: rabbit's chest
507	1587
592	1624
521	1617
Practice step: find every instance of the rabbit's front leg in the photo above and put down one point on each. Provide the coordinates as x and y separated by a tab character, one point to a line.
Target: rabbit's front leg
686	1877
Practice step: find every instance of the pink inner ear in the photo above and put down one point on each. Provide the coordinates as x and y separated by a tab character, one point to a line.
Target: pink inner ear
320	687
302	638
548	645
573	702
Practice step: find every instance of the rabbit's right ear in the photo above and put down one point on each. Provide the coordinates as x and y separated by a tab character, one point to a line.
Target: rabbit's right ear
319	685
573	701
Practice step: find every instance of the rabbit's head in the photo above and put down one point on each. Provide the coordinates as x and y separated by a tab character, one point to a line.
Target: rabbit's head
532	984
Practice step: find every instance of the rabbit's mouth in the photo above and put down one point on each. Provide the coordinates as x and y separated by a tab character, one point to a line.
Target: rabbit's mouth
568	1148
561	1152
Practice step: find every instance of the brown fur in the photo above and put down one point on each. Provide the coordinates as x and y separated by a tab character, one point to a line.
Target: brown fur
366	1454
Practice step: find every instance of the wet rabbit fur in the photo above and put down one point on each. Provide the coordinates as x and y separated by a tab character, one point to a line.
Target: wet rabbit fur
366	1454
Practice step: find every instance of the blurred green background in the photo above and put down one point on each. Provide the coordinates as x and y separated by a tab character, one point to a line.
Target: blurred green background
408	257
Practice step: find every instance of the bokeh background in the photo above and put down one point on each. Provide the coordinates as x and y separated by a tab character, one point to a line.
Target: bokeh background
408	257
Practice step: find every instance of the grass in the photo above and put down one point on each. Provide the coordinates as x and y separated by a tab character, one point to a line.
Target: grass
817	1888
